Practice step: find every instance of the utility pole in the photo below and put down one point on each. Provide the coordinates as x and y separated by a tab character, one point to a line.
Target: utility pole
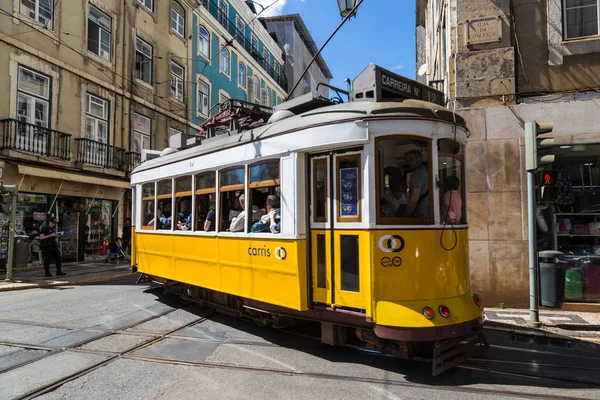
532	130
7	207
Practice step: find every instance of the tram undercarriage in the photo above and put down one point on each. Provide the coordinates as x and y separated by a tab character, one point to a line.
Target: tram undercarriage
445	347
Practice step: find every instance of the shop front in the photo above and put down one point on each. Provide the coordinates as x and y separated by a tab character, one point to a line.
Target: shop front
571	225
86	209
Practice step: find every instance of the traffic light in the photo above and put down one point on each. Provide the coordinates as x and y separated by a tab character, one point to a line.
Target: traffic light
547	186
532	130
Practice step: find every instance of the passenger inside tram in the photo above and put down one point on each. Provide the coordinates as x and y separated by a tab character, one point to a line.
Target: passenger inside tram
271	221
237	223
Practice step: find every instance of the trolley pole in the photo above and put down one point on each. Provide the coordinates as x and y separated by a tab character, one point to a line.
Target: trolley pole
13	190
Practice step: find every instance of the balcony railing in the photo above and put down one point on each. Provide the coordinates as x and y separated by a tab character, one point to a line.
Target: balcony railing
100	154
229	25
132	160
33	139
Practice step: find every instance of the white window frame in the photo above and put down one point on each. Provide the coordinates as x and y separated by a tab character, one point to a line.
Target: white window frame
102	31
201	38
147	4
34	99
268	100
223	12
96	119
267	57
200	96
240	29
566	26
222	59
278	100
256	88
178	19
223	96
37	16
177	81
254	39
241	79
144	136
142	50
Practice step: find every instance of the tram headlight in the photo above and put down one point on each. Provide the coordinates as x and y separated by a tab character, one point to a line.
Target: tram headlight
428	313
477	299
444	311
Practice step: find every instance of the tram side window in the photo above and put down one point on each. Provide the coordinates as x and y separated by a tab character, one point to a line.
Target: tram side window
183	203
451	182
403	181
148	206
231	189
265	197
320	190
164	209
205	202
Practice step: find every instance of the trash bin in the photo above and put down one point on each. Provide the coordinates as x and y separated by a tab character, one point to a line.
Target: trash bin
552	278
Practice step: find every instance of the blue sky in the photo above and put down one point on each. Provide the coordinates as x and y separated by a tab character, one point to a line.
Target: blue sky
383	33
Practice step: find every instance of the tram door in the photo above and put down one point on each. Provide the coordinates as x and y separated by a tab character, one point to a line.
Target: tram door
335	208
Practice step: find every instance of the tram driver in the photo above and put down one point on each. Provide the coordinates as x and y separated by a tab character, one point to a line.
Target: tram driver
418	195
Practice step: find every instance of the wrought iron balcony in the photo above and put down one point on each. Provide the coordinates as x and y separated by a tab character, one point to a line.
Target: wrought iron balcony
100	154
132	160
33	139
229	25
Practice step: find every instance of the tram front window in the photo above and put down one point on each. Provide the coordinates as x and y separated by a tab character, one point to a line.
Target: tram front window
265	195
148	206
231	188
404	177
164	210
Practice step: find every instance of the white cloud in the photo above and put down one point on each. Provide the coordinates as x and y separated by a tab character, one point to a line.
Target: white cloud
273	10
398	67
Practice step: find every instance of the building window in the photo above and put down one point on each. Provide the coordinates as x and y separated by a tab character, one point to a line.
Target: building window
254	44
268	97
267	57
203	99
204	3
178	19
580	18
38	10
224	61
143	61
223	13
203	41
240	29
177	79
279	101
223	97
148	4
96	119
33	98
141	133
99	33
242	75
277	70
256	88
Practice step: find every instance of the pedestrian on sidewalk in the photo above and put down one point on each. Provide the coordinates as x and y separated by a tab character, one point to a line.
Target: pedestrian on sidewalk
126	235
49	238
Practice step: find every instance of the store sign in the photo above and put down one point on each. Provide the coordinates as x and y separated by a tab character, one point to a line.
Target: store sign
484	30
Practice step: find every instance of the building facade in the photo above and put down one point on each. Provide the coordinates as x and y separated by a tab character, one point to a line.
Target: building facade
85	87
233	57
501	64
299	48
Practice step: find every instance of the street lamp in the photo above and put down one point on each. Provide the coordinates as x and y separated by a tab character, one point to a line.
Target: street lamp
346	7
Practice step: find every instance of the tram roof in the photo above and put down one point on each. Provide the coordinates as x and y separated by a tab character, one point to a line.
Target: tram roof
343	112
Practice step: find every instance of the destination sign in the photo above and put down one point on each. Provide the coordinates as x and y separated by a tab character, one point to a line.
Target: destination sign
404	87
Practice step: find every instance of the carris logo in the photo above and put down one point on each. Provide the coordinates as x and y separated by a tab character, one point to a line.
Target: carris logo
391	244
280	253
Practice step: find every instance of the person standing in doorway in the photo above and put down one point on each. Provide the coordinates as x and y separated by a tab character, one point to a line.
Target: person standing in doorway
418	196
126	234
48	237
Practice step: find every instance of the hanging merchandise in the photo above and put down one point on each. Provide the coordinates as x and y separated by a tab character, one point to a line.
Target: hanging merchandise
587	200
566	196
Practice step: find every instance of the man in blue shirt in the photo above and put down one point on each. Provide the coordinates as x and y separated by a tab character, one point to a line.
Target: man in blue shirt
418	196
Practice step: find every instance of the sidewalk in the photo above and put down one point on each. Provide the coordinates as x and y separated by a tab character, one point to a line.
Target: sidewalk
77	274
556	324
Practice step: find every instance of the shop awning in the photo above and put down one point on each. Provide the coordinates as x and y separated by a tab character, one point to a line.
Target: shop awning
68	176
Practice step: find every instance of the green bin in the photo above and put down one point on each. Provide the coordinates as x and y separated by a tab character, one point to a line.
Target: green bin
573	285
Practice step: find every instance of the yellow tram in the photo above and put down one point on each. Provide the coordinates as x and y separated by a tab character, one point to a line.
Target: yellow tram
362	240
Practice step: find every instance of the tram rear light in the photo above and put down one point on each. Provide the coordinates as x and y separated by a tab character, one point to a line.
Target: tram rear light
428	313
444	311
477	299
